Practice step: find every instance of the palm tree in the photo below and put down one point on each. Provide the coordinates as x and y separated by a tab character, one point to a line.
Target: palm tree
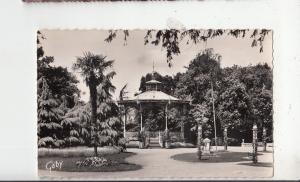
92	68
123	92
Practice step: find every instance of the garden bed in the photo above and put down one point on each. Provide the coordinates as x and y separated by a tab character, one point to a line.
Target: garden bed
113	162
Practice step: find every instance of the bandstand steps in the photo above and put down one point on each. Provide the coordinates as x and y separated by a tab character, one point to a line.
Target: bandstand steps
154	143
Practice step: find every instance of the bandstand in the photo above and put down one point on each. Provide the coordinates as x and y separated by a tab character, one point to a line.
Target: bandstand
154	97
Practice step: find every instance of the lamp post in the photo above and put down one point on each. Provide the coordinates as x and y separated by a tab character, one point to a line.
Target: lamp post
254	143
199	141
225	138
265	139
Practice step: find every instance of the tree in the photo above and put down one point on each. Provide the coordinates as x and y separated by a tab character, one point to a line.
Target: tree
49	117
56	89
154	117
75	125
150	120
234	104
167	82
61	82
202	71
263	110
258	81
175	118
245	98
107	112
42	60
92	68
200	79
110	133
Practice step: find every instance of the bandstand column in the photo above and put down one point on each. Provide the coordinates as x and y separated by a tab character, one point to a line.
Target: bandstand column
141	114
183	112
166	115
125	118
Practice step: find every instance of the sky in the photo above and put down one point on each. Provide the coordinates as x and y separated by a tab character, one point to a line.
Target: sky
134	59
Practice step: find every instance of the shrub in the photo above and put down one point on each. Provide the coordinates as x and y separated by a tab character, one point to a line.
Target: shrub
230	141
233	142
122	143
141	136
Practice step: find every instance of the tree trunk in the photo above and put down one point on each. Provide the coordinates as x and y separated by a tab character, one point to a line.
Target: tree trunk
93	100
95	150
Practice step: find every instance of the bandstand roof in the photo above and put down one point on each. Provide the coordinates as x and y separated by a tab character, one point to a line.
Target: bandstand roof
153	96
153	82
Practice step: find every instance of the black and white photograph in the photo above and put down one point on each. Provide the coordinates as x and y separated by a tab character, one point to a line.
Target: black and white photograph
155	104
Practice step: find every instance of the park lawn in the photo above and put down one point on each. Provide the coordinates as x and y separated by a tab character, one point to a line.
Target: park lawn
80	151
242	158
118	163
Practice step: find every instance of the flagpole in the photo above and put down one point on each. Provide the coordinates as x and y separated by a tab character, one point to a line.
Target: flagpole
214	115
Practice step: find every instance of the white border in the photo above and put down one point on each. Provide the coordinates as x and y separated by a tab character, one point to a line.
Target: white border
19	22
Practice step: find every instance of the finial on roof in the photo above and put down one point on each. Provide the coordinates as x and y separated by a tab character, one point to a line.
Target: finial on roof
153	70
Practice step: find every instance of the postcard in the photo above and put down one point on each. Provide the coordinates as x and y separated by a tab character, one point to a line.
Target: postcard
155	104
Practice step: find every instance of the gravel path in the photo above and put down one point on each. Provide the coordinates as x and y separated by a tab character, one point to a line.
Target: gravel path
158	164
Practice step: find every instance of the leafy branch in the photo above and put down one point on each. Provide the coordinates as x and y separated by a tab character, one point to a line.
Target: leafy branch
169	39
